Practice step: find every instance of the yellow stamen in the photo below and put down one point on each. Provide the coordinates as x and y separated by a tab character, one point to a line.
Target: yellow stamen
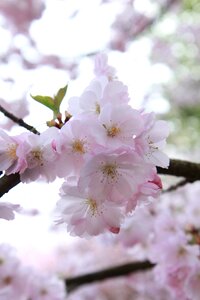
12	151
97	108
110	171
151	144
78	146
92	206
113	131
37	154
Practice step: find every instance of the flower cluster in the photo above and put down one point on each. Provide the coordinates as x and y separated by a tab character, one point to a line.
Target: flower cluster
107	153
167	233
20	282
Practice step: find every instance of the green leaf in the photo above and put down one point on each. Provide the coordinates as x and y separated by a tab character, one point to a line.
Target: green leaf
45	100
52	103
59	97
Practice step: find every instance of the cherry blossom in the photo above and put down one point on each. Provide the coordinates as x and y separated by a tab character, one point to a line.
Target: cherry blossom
193	283
106	154
74	144
146	193
101	67
99	93
12	275
18	281
118	125
45	287
10	161
86	213
152	141
39	156
7	210
111	148
115	174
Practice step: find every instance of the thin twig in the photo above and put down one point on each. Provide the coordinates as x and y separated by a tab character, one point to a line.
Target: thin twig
176	186
18	121
75	282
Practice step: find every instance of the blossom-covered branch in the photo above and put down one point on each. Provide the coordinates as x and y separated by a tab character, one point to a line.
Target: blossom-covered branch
18	121
107	155
75	282
178	168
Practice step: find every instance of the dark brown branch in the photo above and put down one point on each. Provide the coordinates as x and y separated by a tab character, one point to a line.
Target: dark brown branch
18	121
182	168
7	182
73	283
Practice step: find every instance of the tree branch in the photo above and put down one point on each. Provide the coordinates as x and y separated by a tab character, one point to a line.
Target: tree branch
176	186
7	182
18	121
182	168
75	282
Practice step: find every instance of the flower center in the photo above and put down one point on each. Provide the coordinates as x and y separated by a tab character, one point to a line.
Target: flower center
35	158
97	108
78	146
37	155
43	292
7	280
110	171
92	206
12	151
112	131
151	144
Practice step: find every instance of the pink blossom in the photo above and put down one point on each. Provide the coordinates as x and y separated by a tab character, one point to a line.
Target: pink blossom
131	232
99	93
7	210
12	275
170	242
101	67
146	191
87	213
192	286
21	15
152	141
40	156
19	282
74	145
45	287
116	174
118	126
90	100
10	162
174	278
